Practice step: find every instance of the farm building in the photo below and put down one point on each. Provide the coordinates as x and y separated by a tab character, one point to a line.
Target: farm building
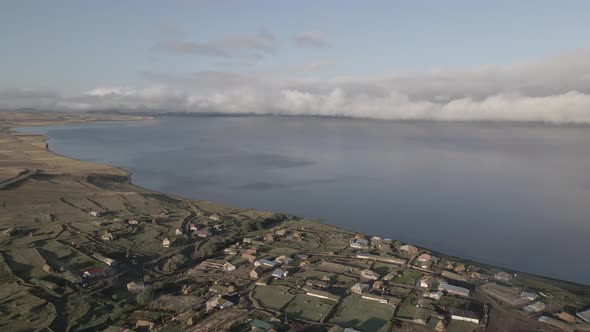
359	288
453	290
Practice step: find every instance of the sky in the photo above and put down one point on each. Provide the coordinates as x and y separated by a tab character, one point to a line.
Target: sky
452	60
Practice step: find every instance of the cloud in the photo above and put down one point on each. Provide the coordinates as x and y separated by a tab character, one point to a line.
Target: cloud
253	46
311	39
25	98
554	89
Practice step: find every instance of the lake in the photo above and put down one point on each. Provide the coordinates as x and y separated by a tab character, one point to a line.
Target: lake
513	195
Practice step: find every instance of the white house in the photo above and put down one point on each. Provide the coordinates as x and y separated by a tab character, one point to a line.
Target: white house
178	232
278	273
265	262
359	288
166	243
464	315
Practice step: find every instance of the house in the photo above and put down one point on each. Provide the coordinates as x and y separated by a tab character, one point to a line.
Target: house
359	244
284	260
144	325
95	213
378	285
47	268
218	227
302	257
192	227
453	290
132	221
215	217
464	315
426	281
178	232
256	272
370	275
435	295
101	258
248	240
250	258
410	249
278	273
317	283
203	233
260	325
566	317
230	251
424	257
281	232
265	263
269	238
390	276
135	287
107	236
225	304
528	295
534	307
359	288
584	315
251	251
227	266
94	273
503	276
166	243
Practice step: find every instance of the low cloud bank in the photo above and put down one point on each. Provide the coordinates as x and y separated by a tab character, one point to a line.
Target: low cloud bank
553	90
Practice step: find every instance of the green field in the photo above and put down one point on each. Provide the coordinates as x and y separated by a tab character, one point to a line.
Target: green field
362	314
308	307
273	297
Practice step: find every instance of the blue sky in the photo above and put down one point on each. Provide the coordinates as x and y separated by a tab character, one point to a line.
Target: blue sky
71	47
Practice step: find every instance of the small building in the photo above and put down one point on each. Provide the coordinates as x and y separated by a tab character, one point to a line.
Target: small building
94	273
528	295
359	244
278	273
317	283
424	257
269	238
265	263
566	317
215	217
230	251
135	287
203	233
256	272
250	258
435	295
284	260
453	290
359	288
95	213
390	276
227	266
107	236
302	257
178	232
410	249
534	307
145	325
503	276
426	281
260	325
370	275
584	315
193	227
133	222
464	315
281	232
378	285
218	227
166	243
47	268
103	259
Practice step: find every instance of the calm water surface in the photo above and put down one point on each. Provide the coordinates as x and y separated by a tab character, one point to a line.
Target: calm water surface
512	195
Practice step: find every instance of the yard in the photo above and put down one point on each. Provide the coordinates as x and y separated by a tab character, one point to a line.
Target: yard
273	297
364	315
308	307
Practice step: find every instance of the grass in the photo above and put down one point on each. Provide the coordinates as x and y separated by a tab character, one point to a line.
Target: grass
354	312
273	297
408	277
308	308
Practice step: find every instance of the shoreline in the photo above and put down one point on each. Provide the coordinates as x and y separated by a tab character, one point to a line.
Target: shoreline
128	176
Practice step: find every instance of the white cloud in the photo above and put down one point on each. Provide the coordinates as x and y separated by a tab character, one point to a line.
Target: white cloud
313	39
555	90
241	46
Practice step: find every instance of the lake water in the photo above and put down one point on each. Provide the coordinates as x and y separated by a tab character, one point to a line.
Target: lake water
512	195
